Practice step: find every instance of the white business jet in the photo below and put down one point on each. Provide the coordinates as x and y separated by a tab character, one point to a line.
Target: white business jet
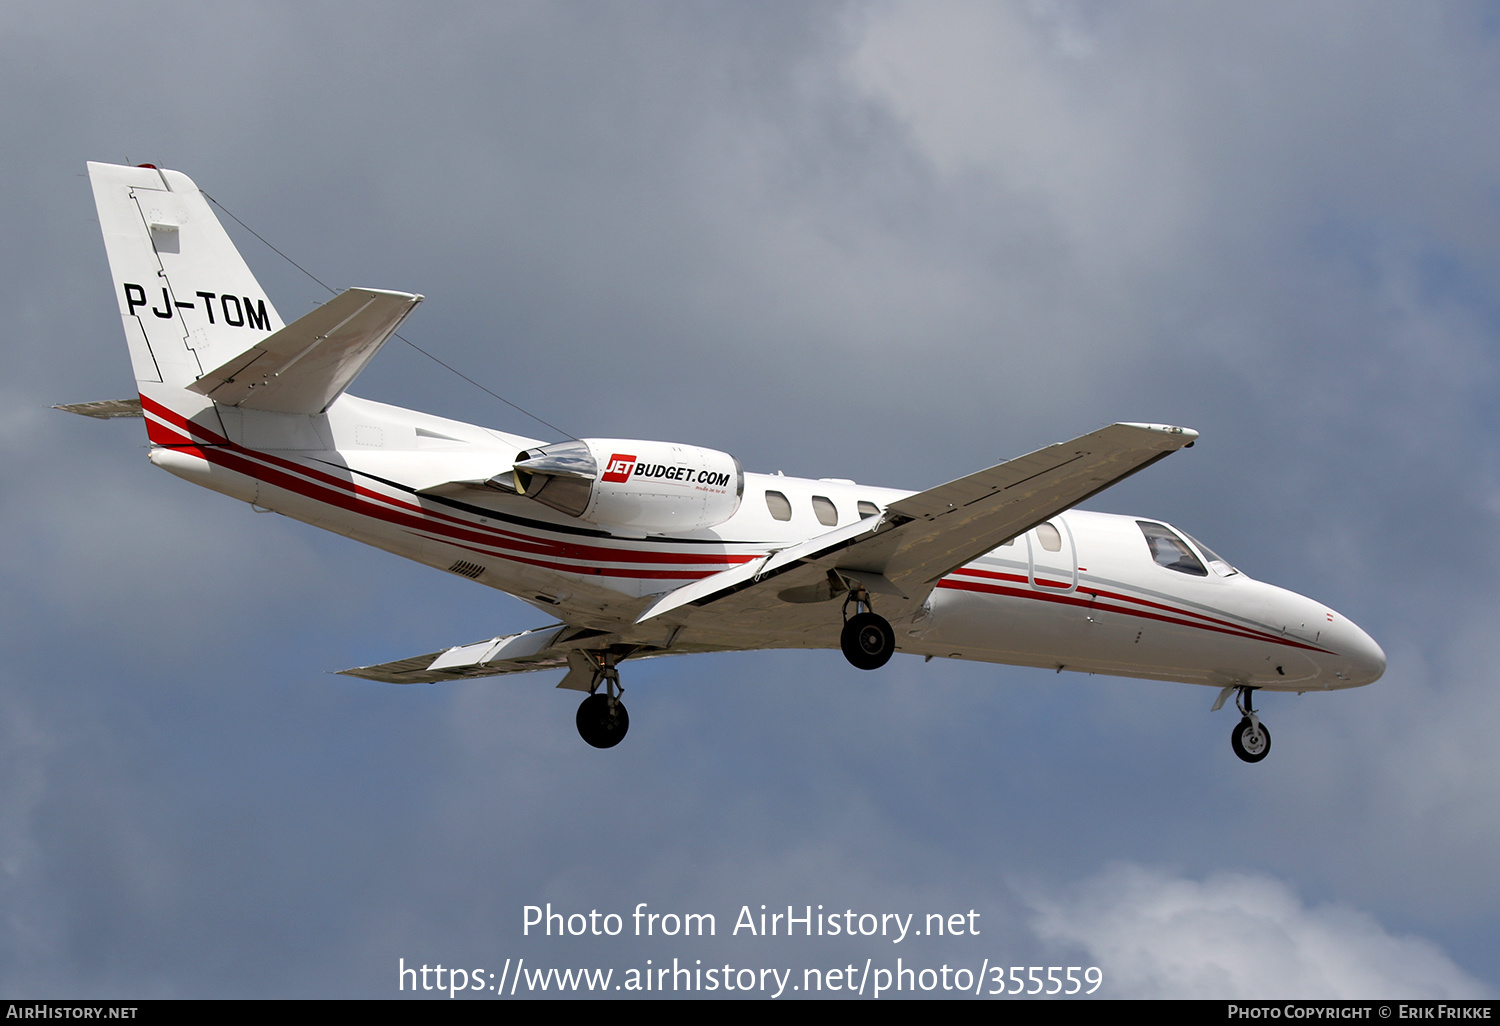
637	548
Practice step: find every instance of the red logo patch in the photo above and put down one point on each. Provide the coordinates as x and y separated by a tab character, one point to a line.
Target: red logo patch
620	467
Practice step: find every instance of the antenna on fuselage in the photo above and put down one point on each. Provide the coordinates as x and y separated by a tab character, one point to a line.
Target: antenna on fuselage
487	391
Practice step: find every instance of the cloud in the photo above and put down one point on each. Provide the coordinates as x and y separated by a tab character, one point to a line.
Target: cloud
1236	935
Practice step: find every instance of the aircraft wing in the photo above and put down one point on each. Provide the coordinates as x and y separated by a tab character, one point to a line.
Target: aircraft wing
947	526
544	648
514	653
921	538
307	364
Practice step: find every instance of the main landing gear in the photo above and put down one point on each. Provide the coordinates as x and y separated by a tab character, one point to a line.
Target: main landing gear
867	639
1251	740
602	719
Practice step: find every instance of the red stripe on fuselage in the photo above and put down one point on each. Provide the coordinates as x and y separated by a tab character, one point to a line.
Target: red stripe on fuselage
1218	627
1120	597
484	540
344	494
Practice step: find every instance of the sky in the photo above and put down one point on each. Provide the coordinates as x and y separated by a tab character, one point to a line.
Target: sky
894	242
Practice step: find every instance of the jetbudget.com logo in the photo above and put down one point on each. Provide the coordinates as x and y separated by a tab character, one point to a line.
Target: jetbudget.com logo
620	467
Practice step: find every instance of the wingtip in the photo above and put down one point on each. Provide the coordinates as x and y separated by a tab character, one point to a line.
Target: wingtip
1187	436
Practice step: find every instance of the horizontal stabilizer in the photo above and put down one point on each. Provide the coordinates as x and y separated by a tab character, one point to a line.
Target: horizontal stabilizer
307	364
105	409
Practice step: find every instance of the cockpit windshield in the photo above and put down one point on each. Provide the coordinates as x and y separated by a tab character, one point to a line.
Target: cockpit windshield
1170	551
1217	563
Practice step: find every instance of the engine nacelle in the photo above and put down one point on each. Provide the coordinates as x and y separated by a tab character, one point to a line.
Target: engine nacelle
647	486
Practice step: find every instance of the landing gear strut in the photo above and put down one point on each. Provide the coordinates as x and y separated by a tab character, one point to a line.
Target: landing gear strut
602	719
867	639
1251	740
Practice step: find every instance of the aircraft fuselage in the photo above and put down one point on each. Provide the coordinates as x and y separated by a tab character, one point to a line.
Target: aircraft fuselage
1087	598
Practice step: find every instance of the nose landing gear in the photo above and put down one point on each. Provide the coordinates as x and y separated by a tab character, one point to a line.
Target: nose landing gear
1251	740
867	638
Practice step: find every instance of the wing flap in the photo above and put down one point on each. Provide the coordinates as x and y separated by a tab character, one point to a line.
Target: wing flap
307	364
545	648
726	582
514	653
705	589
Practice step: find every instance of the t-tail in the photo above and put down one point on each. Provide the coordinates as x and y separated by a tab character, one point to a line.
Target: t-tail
201	331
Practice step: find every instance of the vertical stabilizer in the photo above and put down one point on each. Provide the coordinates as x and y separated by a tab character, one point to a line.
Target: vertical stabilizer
188	300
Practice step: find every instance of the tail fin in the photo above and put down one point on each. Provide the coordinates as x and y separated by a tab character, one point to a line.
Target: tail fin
200	329
188	300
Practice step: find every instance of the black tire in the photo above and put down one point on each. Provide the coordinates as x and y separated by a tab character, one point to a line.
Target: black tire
600	725
868	641
1248	744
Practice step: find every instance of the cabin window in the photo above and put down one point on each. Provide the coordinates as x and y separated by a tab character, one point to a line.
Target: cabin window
1050	537
779	507
867	509
823	506
1170	551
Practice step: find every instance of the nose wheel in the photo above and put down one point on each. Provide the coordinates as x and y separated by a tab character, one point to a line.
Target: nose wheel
1250	740
867	638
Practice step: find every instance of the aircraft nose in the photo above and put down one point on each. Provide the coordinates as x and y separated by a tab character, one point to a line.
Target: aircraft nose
1364	660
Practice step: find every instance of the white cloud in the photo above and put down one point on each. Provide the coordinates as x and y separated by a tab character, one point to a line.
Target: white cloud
1237	935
